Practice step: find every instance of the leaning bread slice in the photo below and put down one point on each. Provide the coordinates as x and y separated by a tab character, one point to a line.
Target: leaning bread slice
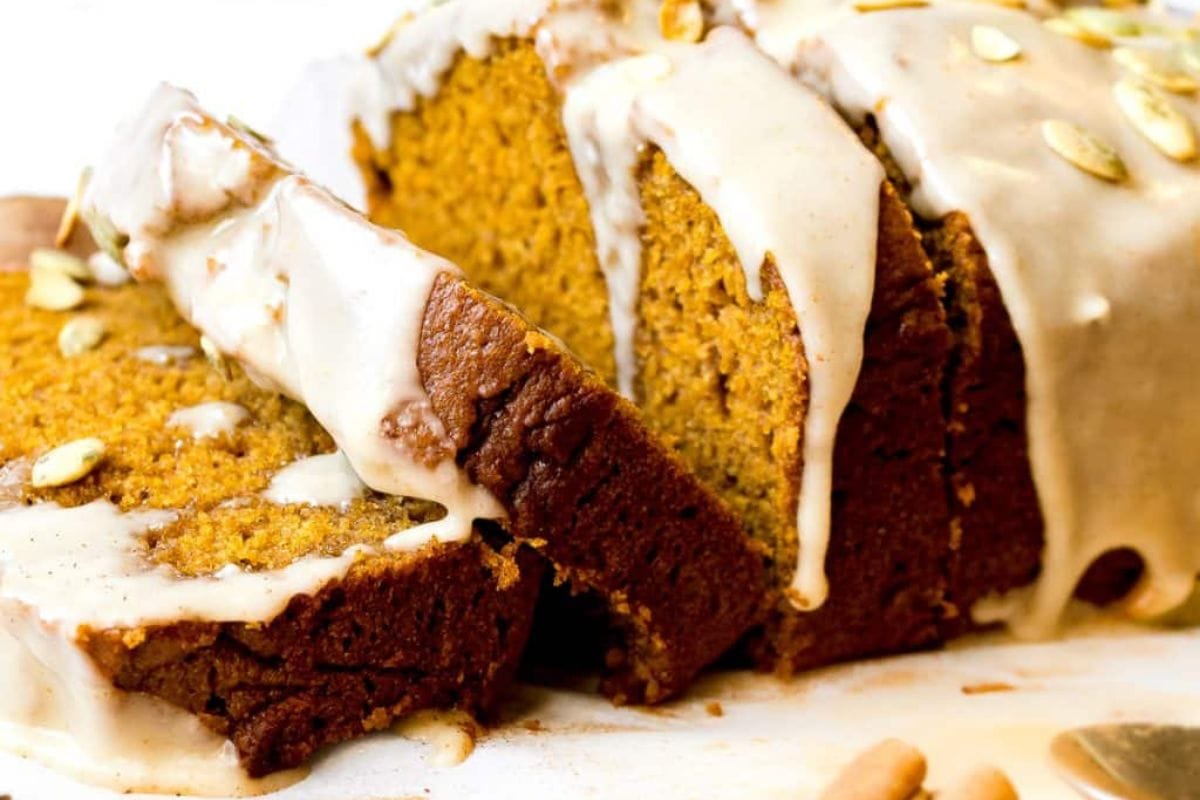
430	387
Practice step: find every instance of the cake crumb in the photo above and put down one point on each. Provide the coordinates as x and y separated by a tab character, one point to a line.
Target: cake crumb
715	709
988	687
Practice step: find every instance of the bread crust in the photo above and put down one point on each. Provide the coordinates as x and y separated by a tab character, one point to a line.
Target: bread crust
587	484
394	636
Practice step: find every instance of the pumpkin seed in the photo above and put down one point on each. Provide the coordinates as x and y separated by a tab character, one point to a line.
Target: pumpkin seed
79	335
993	44
74	267
106	235
1161	69
70	217
1065	27
1152	114
1104	21
1084	150
51	290
67	463
216	360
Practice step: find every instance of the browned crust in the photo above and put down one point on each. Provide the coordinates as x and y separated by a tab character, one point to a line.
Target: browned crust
889	525
584	481
393	637
996	519
997	526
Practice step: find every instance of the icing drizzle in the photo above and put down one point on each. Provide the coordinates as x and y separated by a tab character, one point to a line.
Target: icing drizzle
313	300
1101	280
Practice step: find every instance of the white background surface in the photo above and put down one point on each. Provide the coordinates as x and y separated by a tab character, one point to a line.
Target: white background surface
776	740
70	70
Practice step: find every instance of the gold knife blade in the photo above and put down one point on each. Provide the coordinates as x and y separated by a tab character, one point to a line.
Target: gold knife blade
1134	761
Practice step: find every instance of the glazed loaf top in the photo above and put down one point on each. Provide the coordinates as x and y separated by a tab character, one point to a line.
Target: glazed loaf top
1070	157
1070	145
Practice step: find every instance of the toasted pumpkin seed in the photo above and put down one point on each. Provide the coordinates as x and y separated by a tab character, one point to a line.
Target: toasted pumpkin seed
70	217
1161	69
51	290
1104	21
886	5
1065	27
1084	150
993	44
106	235
1152	114
74	267
216	360
67	463
681	20
80	334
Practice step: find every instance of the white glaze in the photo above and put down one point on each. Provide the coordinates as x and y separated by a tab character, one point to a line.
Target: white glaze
62	568
323	480
98	553
312	299
822	238
1102	281
163	355
60	711
207	420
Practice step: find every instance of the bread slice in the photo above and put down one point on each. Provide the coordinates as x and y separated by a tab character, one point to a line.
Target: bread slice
383	634
479	166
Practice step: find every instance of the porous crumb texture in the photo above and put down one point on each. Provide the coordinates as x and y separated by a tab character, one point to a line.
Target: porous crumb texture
889	541
721	378
443	627
491	147
720	375
215	483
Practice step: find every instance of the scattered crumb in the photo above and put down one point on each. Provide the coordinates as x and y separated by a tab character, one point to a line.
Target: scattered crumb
715	709
988	687
533	726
